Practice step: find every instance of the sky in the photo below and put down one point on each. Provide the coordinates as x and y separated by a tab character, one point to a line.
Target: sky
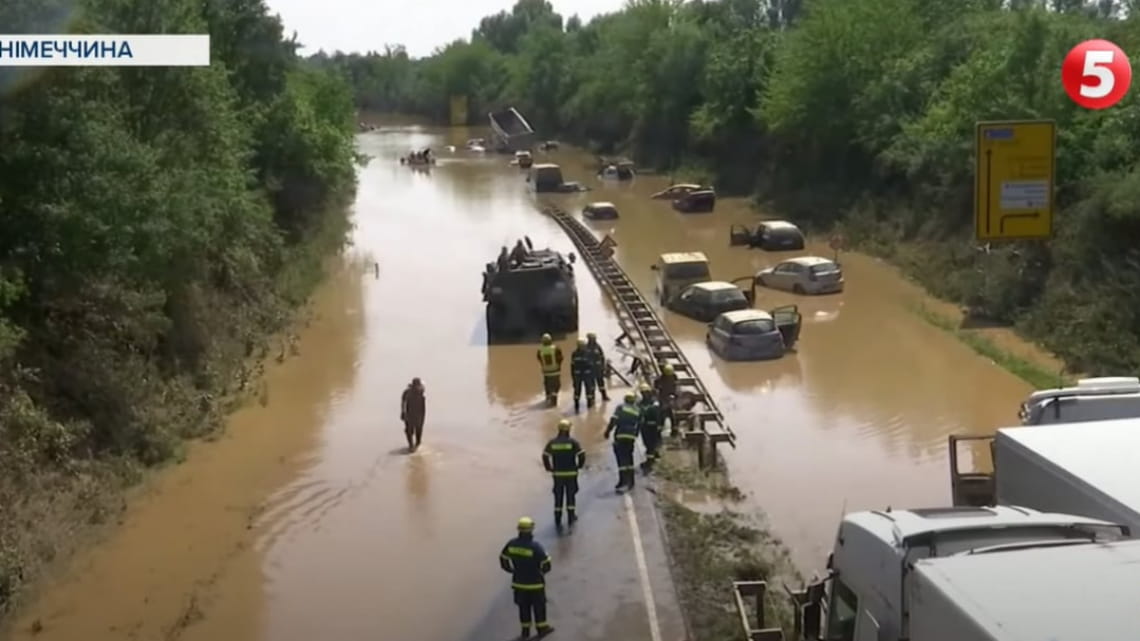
419	25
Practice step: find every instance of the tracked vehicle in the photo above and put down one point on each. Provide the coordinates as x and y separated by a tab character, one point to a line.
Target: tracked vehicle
530	297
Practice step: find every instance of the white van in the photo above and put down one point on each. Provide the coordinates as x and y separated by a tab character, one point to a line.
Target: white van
1092	399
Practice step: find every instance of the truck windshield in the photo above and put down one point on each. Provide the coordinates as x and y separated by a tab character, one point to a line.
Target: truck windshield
687	270
842	613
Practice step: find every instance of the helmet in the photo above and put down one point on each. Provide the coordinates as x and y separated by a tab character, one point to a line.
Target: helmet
630	397
526	524
645	389
581	341
564	425
546	339
592	336
668	369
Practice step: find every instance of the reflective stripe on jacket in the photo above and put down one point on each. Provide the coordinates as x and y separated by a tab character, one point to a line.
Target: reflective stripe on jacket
527	561
626	419
548	356
563	457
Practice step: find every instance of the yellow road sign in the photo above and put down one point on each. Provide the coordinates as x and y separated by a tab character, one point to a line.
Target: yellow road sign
1015	169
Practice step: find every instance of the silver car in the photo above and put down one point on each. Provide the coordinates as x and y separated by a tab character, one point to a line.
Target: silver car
804	275
753	334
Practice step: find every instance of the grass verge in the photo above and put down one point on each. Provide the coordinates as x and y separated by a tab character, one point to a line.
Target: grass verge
1034	374
711	549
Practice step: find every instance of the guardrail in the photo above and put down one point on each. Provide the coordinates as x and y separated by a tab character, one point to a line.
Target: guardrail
756	591
704	424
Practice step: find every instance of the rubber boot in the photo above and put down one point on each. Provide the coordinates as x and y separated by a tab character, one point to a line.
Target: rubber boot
589	402
544	632
577	404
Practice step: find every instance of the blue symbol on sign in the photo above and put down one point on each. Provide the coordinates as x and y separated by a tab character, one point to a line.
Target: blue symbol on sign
1006	133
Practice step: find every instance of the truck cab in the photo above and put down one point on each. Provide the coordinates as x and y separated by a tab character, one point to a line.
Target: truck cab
864	597
1091	399
676	271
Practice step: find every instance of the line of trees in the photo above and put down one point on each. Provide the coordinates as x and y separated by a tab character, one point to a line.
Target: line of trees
856	114
155	225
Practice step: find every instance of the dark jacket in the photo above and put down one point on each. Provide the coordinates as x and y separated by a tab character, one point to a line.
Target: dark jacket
598	356
563	456
666	386
412	403
582	363
625	423
652	415
527	562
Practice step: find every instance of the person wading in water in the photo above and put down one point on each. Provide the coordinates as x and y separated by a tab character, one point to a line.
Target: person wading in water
412	413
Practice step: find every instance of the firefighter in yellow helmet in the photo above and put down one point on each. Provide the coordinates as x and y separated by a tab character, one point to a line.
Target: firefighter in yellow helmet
550	359
652	422
624	425
563	456
666	387
527	562
600	366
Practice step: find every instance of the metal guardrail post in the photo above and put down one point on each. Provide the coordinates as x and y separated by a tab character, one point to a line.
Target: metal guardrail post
757	590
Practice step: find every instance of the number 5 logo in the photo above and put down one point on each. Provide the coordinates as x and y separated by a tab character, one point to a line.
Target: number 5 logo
1096	74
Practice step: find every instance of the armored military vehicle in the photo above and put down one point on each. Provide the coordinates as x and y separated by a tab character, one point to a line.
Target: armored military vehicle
530	295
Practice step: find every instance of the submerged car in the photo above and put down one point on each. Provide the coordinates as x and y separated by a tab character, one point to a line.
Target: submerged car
696	202
545	178
772	235
705	301
523	159
753	334
600	211
804	275
621	170
673	192
677	270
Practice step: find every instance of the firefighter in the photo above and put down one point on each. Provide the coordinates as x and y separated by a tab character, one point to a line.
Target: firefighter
600	368
624	426
519	254
527	562
582	374
563	457
412	408
550	359
652	421
666	386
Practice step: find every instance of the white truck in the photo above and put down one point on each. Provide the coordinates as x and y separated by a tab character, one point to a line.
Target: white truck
969	574
1090	468
1091	399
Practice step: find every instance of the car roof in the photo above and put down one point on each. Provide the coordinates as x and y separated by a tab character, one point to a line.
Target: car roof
685	185
715	286
684	257
778	224
545	165
808	261
602	205
522	152
742	315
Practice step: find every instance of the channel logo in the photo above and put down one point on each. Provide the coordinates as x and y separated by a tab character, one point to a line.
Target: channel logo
1096	74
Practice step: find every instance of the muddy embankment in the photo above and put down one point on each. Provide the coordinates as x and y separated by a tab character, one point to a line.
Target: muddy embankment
308	520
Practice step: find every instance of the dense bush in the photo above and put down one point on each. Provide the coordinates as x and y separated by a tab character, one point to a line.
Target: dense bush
856	113
151	221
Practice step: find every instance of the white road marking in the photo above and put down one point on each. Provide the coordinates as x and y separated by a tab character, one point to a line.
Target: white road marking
643	571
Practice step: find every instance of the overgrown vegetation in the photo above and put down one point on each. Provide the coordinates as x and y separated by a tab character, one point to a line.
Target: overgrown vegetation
850	113
156	224
711	550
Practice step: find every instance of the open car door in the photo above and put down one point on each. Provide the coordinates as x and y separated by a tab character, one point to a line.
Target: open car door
788	321
747	284
739	236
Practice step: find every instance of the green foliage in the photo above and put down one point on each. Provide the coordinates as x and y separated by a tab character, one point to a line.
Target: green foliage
857	113
147	221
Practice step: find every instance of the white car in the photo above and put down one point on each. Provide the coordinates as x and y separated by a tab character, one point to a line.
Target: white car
804	275
753	334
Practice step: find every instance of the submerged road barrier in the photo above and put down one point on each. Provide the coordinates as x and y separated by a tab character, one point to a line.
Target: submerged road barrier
702	423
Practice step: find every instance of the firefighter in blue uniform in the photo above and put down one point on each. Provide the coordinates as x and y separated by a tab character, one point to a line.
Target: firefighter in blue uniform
624	425
600	366
582	374
527	562
563	457
652	422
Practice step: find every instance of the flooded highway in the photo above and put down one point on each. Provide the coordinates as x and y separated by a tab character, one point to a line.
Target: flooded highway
307	519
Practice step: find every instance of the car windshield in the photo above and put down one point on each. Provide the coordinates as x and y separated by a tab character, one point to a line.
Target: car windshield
758	326
727	296
687	270
824	268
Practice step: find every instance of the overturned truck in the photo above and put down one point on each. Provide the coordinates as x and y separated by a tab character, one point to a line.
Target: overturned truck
530	295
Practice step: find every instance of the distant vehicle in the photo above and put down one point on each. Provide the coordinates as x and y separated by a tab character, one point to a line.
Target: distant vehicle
753	334
538	296
549	145
510	131
705	301
1092	399
420	158
1084	468
524	159
983	574
621	170
572	186
772	235
804	275
696	202
674	192
678	270
545	178
600	211
478	145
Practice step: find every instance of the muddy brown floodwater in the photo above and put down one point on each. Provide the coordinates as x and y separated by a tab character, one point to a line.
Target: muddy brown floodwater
308	520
